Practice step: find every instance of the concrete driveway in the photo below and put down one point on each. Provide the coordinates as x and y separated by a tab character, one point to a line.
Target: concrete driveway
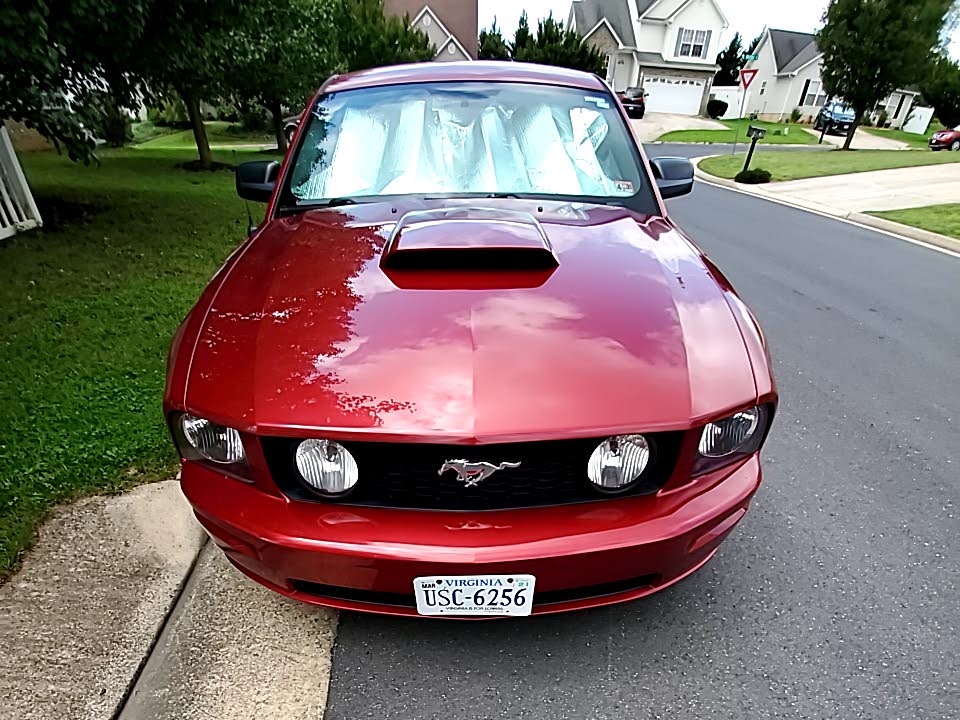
877	190
654	125
861	141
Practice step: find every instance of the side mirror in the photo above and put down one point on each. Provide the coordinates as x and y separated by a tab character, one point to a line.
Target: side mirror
674	176
256	180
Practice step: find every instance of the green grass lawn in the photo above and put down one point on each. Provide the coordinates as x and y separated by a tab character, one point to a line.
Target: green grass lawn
943	219
89	306
795	135
218	133
918	142
797	165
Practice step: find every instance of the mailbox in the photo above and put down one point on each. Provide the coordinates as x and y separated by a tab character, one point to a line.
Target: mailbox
756	133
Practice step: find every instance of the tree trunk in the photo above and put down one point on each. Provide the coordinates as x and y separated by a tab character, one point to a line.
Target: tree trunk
853	129
277	112
199	131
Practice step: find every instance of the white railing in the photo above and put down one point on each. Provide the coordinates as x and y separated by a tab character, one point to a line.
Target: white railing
18	211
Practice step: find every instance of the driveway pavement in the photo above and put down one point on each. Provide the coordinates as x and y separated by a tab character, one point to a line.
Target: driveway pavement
877	190
654	125
861	141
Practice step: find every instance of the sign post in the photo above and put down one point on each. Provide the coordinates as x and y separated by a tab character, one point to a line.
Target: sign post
746	78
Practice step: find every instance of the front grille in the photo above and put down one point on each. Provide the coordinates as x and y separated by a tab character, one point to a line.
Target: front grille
540	598
405	475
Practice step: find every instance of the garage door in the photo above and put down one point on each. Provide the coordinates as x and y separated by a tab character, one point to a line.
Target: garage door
673	94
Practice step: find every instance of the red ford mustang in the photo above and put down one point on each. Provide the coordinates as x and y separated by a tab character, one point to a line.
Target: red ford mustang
466	366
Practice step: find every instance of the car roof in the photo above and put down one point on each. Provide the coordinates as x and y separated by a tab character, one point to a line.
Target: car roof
475	71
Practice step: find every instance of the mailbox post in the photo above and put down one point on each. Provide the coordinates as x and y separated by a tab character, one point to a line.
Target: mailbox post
755	133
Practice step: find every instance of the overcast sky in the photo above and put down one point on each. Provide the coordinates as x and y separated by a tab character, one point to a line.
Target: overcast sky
748	17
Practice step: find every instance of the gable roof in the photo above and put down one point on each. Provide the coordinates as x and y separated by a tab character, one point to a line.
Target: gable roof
792	50
644	5
587	14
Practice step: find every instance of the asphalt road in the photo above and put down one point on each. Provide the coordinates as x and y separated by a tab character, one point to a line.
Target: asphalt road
836	597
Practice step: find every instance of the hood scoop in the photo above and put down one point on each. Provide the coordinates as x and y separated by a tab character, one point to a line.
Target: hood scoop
468	240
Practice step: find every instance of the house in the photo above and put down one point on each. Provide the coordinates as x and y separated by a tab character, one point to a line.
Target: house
667	47
451	25
788	77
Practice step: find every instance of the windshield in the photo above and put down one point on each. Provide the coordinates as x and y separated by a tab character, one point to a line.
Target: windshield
464	139
845	110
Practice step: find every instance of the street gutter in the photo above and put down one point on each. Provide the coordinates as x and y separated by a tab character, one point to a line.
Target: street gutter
935	241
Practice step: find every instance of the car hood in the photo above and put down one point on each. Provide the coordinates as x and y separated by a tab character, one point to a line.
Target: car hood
630	331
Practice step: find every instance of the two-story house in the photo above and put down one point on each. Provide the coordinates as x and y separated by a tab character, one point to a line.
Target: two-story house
788	68
451	25
667	47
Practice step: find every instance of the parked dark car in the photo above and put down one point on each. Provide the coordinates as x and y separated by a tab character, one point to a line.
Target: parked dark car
836	117
634	102
948	139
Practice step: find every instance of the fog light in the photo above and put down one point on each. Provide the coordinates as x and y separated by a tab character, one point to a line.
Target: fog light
327	466
618	462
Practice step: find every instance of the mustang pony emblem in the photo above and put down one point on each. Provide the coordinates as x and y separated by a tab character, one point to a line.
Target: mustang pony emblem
473	473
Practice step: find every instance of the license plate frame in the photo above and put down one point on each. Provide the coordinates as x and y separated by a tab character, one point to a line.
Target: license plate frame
482	595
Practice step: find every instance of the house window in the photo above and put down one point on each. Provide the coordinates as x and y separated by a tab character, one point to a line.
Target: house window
693	43
763	87
814	94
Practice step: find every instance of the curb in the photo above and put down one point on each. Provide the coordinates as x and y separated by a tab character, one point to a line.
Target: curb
904	232
744	141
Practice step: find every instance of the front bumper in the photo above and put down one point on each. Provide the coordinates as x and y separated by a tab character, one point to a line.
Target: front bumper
363	558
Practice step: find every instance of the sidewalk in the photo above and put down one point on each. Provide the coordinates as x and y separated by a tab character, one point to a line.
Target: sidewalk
123	610
849	197
879	189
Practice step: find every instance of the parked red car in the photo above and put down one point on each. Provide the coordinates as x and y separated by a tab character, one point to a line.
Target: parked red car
946	140
467	366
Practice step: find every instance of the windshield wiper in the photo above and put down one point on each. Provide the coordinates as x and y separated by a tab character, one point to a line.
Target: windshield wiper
503	195
337	202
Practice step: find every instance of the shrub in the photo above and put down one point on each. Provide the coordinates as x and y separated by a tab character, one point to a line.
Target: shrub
171	112
795	115
716	108
755	176
253	119
883	120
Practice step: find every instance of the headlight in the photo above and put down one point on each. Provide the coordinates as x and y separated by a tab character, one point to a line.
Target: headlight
618	462
327	466
727	436
214	442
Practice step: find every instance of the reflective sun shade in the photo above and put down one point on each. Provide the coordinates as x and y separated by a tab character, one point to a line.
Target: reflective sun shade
465	138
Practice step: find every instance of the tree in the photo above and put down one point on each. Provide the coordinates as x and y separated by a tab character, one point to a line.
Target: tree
872	47
184	48
553	45
281	51
52	66
522	38
369	38
492	44
730	61
755	43
941	88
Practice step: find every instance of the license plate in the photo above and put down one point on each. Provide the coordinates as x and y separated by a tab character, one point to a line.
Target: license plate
474	594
